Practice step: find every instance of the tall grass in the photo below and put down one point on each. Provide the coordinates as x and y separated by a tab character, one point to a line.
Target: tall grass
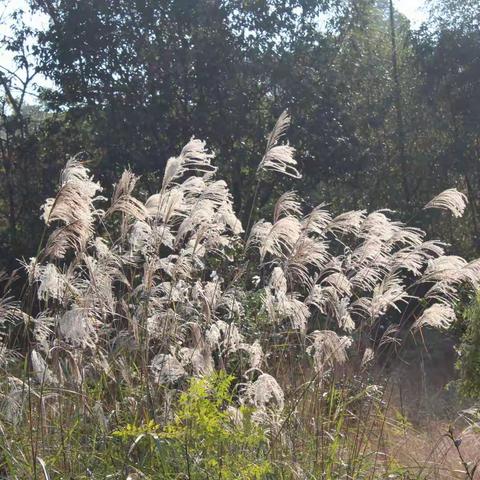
158	339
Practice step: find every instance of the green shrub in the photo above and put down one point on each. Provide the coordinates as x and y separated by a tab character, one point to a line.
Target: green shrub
469	350
215	440
208	437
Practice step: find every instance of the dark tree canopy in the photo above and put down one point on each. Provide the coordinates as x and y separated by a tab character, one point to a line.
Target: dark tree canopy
383	115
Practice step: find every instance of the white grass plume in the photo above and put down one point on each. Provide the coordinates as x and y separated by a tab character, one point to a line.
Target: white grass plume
279	158
122	199
451	200
266	392
192	158
439	315
328	349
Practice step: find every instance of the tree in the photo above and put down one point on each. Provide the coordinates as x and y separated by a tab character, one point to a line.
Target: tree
448	55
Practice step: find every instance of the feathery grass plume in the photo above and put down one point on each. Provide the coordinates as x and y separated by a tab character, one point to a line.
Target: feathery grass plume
227	216
40	368
167	369
199	216
390	336
407	236
331	304
192	158
367	357
342	315
52	283
366	278
78	327
451	200
225	337
386	295
176	302
447	268
414	258
370	252
31	267
13	402
328	349
443	292
281	126
265	392
279	158
10	313
256	354
282	305
340	282
307	253
317	221
73	236
348	222
43	329
391	233
438	315
73	206
280	238
287	205
278	281
166	205
148	239
123	201
471	273
199	355
164	326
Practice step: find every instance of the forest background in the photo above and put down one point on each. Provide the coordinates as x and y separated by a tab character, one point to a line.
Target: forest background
384	114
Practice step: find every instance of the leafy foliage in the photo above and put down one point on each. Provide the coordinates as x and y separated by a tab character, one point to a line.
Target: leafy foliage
469	352
215	438
134	81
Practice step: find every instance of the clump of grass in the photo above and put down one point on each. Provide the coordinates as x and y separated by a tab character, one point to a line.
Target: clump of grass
128	301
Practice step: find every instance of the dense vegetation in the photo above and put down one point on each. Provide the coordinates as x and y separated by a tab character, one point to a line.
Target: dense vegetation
245	307
383	114
126	301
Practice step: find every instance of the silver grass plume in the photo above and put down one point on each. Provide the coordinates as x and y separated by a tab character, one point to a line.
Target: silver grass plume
281	126
74	207
279	158
192	158
78	327
348	222
53	284
40	368
438	315
166	368
287	205
166	205
265	392
368	357
277	239
328	349
317	221
123	201
451	200
347	271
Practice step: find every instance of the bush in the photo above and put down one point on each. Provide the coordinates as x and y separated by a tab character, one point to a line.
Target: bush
469	352
208	438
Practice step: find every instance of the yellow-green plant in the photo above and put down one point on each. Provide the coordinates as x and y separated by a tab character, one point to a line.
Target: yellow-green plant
213	438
